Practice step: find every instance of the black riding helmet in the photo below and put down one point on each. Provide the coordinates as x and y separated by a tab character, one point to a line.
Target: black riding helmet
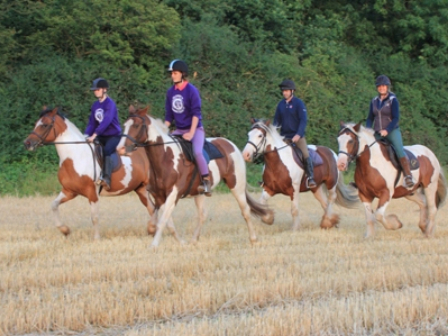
287	84
178	65
99	83
382	80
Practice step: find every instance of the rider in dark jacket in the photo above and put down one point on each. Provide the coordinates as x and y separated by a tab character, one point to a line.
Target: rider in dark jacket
384	115
291	117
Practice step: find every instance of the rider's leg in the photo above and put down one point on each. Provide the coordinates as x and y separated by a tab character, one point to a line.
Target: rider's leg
110	145
198	145
308	162
395	138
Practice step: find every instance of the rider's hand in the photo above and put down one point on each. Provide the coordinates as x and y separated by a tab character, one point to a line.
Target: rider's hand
188	136
296	138
91	138
384	133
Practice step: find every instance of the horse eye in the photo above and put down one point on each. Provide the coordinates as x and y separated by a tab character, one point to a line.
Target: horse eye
135	126
350	141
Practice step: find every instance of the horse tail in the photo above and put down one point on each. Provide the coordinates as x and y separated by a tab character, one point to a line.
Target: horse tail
259	210
346	196
441	190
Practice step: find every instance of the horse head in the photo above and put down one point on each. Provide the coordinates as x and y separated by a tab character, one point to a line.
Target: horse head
47	128
348	141
135	132
258	139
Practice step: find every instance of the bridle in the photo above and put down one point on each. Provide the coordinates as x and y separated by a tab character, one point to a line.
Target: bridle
46	133
352	157
262	143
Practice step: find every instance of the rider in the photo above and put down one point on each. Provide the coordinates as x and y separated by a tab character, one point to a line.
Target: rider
104	126
183	106
291	116
384	115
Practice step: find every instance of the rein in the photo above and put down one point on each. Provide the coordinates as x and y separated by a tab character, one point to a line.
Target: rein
43	143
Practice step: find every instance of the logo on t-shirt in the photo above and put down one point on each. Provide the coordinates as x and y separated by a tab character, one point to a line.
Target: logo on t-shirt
177	104
99	114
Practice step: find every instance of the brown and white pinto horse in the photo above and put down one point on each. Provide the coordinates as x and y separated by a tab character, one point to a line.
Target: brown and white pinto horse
282	175
376	177
78	168
173	176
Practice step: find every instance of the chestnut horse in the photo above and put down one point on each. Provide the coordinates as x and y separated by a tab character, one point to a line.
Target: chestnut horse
376	177
79	169
283	175
173	176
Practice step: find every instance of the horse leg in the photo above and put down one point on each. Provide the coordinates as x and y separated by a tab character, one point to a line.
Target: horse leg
430	193
94	215
143	195
164	219
328	219
295	210
419	198
390	222
63	197
370	218
240	195
199	201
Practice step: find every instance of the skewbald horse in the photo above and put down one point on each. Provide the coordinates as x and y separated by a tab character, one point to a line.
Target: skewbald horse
282	175
376	177
173	176
78	168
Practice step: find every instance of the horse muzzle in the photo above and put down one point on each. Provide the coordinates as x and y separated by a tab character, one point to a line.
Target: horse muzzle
30	145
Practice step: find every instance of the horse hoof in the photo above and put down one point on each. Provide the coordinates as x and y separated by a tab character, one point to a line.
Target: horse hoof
269	218
65	230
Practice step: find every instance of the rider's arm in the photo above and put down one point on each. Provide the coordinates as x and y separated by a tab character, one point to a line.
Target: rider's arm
395	107
370	117
303	118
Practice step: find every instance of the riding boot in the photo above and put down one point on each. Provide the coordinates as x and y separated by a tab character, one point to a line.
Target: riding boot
406	172
206	187
309	169
107	171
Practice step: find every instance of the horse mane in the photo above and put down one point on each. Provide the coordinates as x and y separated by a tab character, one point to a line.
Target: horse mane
159	124
48	109
368	131
271	129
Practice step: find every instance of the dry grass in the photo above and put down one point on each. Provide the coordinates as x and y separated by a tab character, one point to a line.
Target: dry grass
308	282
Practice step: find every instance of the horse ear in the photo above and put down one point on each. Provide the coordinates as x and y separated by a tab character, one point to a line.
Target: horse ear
144	110
268	122
341	124
253	120
54	111
131	109
357	127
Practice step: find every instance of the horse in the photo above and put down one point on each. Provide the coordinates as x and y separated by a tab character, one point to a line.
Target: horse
79	169
174	176
377	177
282	173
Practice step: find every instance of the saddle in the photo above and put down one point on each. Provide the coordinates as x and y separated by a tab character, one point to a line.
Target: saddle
298	155
413	162
116	159
210	151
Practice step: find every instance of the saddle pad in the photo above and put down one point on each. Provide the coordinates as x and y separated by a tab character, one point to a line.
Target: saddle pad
210	151
314	155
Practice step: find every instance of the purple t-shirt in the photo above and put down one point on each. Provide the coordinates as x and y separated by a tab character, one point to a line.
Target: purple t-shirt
104	119
182	105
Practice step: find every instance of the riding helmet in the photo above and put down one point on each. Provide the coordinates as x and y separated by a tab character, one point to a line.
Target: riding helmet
178	65
99	83
382	80
287	84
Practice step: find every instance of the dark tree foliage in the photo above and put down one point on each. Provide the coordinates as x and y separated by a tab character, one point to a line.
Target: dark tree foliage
237	50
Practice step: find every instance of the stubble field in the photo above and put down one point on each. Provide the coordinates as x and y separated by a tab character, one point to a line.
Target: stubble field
311	282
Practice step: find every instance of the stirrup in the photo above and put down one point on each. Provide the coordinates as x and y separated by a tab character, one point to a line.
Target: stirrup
409	183
310	185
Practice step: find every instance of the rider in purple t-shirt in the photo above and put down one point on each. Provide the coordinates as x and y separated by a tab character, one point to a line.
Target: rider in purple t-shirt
183	106
104	126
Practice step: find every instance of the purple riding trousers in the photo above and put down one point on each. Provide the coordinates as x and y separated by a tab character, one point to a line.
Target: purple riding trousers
198	145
